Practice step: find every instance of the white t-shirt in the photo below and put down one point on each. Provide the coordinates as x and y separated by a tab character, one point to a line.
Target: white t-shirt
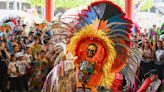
159	54
153	87
19	27
13	70
21	67
27	57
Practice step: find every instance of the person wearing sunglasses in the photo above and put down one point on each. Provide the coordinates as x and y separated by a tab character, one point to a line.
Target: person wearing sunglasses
147	61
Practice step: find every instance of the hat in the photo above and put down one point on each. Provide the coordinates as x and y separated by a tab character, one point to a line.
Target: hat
152	71
19	54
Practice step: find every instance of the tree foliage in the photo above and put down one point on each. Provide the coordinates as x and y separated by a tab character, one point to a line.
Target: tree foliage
70	3
77	3
36	2
146	4
120	3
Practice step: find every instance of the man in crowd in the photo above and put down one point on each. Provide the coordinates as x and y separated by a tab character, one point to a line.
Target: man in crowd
152	83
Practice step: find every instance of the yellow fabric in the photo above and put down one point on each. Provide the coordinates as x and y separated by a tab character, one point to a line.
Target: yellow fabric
108	80
35	49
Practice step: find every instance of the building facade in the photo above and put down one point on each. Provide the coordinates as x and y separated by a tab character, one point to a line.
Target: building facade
20	5
14	5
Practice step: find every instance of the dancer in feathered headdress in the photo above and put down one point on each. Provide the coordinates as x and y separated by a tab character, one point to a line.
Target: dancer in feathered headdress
102	46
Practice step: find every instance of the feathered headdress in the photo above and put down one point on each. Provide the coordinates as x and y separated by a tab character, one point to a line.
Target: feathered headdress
104	25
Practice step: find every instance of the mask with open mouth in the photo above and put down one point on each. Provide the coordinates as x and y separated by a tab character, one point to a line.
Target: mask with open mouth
86	70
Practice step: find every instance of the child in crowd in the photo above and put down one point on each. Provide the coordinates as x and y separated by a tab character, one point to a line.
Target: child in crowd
22	68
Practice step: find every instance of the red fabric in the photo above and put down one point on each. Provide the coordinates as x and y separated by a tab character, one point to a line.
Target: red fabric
117	83
145	85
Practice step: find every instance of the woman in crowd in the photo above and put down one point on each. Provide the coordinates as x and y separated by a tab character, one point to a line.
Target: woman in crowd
159	62
147	62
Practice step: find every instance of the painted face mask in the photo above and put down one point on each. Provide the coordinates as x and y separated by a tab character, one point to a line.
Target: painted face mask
91	50
86	70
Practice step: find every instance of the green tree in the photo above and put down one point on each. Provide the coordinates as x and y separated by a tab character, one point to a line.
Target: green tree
120	3
146	4
70	3
36	2
61	3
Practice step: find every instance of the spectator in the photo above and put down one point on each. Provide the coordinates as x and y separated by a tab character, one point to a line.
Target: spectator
152	83
154	41
151	33
159	53
145	32
22	68
35	48
147	62
142	39
3	48
154	27
13	74
162	39
15	46
3	71
19	26
159	63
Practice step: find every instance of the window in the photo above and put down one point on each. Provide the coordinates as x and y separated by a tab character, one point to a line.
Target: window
3	5
17	5
159	1
25	6
11	5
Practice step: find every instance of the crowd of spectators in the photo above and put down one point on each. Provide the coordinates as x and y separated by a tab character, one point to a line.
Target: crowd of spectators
151	70
23	62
